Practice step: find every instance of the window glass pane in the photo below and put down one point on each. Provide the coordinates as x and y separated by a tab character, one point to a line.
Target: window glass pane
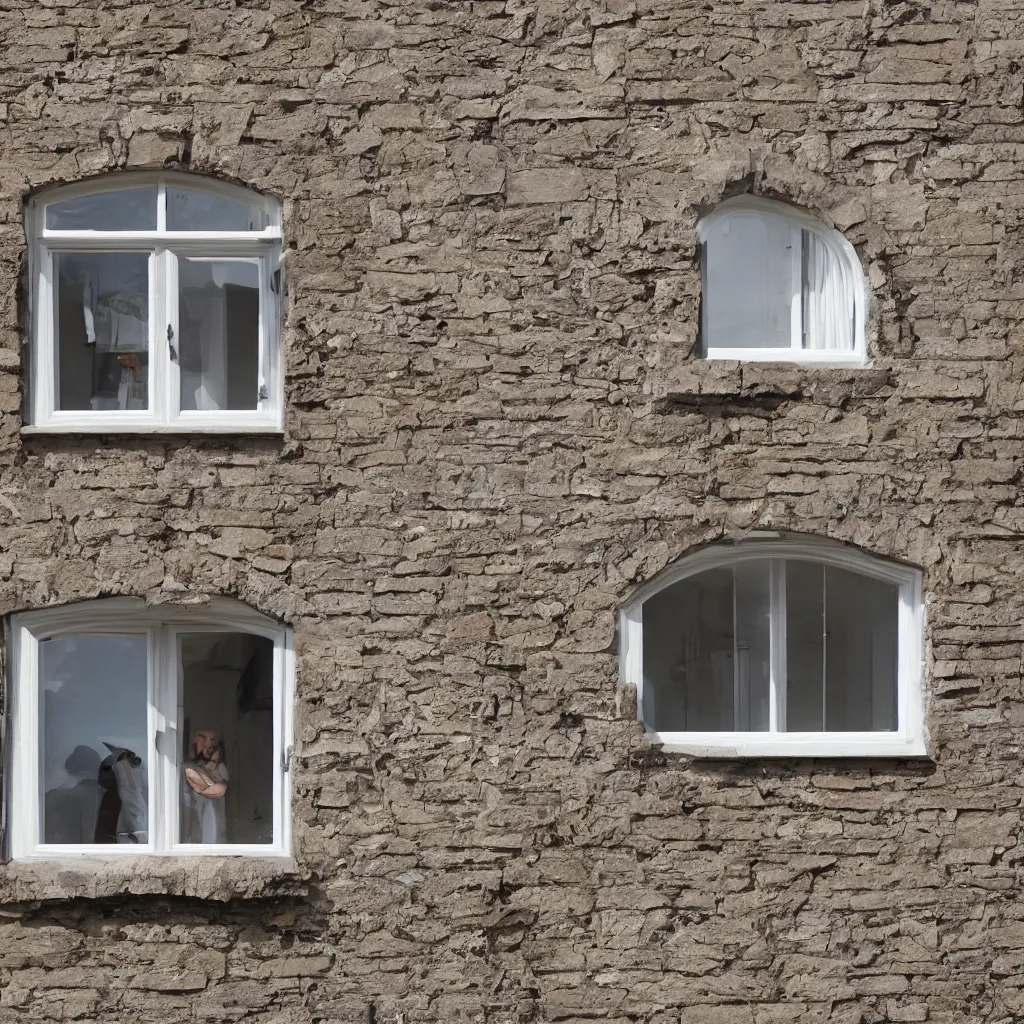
702	672
188	210
753	645
130	209
219	316
752	273
93	713
226	718
805	651
688	655
862	630
101	330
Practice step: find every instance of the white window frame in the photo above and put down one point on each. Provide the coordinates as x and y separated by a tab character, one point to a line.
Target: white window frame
855	286
908	740
162	624
164	414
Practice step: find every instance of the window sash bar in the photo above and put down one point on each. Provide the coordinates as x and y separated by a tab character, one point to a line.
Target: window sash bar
90	237
824	647
284	725
30	788
164	760
737	695
161	205
175	714
909	697
154	775
262	342
796	301
48	366
804	290
156	372
171	335
777	647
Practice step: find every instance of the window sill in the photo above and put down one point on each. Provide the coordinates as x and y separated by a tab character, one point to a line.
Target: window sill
735	745
181	429
199	877
792	357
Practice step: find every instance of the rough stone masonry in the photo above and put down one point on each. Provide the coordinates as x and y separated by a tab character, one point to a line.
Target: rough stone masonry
498	426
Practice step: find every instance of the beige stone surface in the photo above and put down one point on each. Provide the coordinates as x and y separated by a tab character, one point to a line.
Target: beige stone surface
497	428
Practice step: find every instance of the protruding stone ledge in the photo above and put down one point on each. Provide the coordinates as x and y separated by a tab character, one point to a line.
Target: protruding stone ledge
205	878
713	382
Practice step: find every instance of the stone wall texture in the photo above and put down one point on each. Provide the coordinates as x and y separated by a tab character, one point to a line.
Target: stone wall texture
498	426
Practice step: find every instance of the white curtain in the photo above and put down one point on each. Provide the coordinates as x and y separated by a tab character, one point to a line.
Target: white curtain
828	297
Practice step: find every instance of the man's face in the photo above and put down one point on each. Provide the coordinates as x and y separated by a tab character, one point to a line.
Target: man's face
206	743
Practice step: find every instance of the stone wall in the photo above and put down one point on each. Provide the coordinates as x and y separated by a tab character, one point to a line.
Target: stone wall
497	428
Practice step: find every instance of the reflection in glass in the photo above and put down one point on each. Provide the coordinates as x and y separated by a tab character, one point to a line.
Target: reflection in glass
226	717
93	712
861	660
130	209
101	326
842	639
188	210
752	274
706	651
219	325
753	645
805	646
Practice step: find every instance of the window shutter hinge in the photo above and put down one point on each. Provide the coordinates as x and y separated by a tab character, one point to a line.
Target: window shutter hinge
286	759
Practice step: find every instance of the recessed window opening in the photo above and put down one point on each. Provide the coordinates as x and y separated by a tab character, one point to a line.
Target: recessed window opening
155	306
776	647
779	285
138	731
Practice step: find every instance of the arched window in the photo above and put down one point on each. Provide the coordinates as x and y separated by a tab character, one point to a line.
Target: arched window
150	730
779	285
779	647
155	306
